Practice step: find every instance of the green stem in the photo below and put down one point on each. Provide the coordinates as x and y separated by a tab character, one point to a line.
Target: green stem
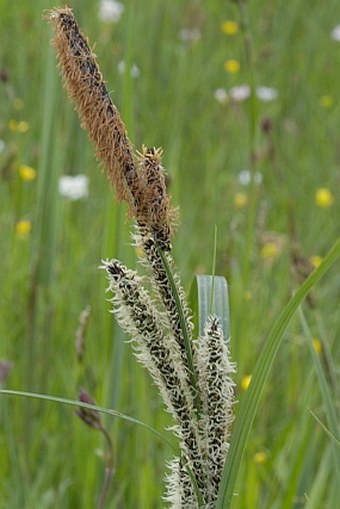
109	471
184	328
253	115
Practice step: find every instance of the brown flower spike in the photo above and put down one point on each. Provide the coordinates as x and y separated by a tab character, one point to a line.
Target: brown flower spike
138	180
85	86
152	202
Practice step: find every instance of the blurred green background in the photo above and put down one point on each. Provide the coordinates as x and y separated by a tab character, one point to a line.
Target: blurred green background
244	99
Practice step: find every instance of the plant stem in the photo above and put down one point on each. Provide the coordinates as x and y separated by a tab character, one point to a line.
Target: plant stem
109	471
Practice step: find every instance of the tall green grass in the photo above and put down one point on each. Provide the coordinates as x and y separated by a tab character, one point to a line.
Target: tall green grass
48	457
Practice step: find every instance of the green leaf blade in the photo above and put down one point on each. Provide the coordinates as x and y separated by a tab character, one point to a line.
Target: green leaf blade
251	400
209	296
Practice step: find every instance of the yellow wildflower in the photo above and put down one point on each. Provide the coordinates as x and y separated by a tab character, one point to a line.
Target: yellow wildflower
324	198
315	260
230	27
247	295
270	251
232	66
317	345
260	457
240	200
18	104
18	127
13	125
27	173
326	101
23	228
245	382
23	126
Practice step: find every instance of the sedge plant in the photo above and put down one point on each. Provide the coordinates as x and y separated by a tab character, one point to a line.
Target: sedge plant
192	374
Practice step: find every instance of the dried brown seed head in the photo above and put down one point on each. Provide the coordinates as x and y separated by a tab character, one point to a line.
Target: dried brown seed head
86	87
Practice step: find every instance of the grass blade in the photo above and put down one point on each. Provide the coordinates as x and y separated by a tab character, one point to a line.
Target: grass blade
326	430
331	411
79	404
209	295
253	395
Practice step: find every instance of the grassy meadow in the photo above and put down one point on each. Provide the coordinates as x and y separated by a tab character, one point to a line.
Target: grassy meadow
244	98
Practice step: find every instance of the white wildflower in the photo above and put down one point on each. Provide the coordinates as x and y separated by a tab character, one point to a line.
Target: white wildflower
335	33
2	146
189	34
74	187
240	93
221	95
266	94
245	177
134	70
110	11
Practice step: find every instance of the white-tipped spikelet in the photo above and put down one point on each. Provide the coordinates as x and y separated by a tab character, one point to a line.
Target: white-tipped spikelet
137	315
216	389
217	398
162	287
159	353
180	491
